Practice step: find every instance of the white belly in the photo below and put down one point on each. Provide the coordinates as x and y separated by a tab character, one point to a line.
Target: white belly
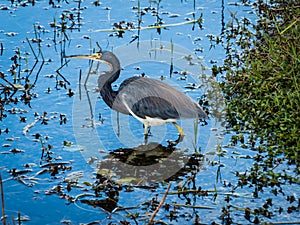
154	121
148	121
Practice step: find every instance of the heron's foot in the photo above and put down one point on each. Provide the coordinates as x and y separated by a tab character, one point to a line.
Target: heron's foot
176	142
146	138
180	138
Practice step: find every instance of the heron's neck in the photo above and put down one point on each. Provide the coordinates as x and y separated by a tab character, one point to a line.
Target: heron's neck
104	83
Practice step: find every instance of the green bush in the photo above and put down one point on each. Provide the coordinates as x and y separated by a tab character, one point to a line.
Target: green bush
261	85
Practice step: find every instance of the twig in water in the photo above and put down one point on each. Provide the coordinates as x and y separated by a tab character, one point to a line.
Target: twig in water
160	204
58	72
28	126
35	56
2	201
198	21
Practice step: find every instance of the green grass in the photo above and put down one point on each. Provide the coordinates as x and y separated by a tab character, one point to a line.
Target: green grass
261	88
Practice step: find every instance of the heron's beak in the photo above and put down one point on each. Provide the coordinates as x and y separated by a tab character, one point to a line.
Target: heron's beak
95	56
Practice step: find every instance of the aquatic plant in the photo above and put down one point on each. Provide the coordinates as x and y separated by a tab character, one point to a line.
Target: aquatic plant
261	88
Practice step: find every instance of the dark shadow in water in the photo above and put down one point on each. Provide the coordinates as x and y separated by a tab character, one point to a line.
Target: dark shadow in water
148	164
143	155
143	166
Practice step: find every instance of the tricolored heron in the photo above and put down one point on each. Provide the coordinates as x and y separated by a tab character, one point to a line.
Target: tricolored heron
150	101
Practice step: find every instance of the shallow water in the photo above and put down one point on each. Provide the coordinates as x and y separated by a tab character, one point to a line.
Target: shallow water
92	131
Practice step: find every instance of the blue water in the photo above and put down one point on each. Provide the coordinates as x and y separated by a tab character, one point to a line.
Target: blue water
91	127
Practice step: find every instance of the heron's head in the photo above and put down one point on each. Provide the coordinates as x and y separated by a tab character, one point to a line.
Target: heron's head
103	56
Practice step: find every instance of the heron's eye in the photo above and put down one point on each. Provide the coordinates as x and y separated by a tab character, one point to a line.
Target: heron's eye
97	55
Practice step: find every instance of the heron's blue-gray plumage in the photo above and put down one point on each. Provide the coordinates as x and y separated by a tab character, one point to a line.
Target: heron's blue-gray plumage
151	101
144	97
156	99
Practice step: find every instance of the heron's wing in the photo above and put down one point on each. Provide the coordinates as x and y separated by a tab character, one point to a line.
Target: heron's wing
156	99
154	107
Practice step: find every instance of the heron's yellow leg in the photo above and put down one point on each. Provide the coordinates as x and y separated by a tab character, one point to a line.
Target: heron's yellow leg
180	130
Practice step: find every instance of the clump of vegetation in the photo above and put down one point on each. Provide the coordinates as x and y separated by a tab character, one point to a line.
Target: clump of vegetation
262	84
262	92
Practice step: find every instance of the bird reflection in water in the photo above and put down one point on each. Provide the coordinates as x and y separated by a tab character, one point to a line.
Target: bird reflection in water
143	155
140	167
